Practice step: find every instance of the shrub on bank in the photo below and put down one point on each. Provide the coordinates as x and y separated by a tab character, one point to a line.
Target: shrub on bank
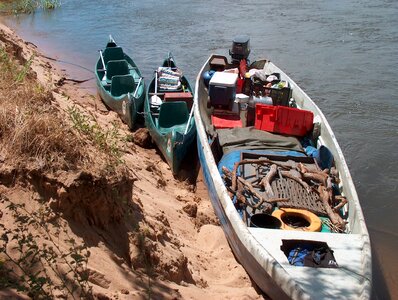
39	256
31	129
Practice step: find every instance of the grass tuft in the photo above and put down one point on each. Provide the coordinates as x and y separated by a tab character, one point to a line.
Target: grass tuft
31	129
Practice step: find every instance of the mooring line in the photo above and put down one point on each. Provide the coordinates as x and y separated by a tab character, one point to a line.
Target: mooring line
67	62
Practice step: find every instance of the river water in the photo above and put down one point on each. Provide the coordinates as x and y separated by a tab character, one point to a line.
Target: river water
344	54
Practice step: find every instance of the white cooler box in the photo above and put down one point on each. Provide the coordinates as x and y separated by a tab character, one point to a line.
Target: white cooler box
222	88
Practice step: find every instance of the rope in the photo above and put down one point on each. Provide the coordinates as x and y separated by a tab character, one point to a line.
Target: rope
67	62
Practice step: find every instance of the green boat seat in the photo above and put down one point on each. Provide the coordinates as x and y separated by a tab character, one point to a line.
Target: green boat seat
113	53
116	67
122	84
173	114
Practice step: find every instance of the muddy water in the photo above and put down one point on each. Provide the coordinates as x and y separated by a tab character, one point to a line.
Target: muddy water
344	54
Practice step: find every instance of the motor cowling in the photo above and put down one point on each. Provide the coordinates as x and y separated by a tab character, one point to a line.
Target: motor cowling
240	47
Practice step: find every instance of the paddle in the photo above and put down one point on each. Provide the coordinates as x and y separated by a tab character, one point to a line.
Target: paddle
189	119
155	99
136	89
103	64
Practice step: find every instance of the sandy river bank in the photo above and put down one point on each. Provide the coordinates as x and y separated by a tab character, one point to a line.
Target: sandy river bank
188	255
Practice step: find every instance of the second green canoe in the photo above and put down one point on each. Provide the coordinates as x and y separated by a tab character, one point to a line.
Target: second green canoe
168	113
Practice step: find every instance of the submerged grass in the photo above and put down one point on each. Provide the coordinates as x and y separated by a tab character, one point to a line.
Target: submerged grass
27	6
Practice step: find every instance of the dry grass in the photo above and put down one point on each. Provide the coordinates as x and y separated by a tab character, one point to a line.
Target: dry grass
31	129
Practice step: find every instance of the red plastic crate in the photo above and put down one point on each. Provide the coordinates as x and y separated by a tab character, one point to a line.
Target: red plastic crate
282	119
226	121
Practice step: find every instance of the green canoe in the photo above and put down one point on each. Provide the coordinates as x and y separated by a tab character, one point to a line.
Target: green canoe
168	113
120	84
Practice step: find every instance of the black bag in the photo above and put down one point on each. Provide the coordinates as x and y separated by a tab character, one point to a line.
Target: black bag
309	253
321	257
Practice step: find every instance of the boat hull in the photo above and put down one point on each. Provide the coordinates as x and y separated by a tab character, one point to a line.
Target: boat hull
173	146
125	106
258	250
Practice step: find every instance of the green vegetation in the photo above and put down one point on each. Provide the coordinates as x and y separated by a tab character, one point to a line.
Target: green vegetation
33	131
106	140
20	76
28	6
38	255
31	266
145	257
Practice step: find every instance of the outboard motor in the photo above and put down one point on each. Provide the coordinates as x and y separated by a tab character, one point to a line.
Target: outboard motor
240	47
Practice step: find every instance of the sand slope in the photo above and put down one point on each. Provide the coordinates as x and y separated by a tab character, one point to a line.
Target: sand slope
162	241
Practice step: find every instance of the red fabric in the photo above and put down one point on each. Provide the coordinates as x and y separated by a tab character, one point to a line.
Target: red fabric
225	121
242	68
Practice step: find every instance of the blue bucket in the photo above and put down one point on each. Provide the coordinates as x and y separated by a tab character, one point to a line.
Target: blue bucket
207	76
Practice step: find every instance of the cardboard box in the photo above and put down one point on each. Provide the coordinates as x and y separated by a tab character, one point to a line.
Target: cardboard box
218	63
